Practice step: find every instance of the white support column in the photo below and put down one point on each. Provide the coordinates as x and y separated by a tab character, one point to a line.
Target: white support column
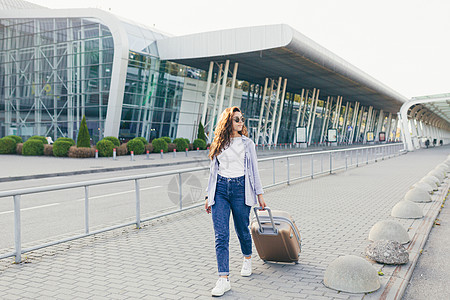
233	82
360	117
261	113
354	120
214	112
324	121
337	112
305	103
224	86
313	117
274	113
272	82
366	127
387	128
379	126
281	110
298	115
344	124
208	86
311	107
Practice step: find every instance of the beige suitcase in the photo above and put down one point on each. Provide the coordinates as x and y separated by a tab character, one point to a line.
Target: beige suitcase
275	235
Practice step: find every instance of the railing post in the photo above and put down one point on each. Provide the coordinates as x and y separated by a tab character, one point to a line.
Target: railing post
288	170
312	166
17	229
331	163
301	166
181	191
273	173
321	163
138	203
346	160
357	158
367	157
86	209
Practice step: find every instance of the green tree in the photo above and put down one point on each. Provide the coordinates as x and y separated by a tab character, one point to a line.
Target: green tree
83	139
201	132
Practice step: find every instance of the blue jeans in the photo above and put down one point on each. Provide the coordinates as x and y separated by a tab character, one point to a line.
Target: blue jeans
230	195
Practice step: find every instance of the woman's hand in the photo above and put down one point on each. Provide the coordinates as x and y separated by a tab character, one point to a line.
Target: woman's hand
261	201
207	207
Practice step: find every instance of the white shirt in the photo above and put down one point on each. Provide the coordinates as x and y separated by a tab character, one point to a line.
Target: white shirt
231	159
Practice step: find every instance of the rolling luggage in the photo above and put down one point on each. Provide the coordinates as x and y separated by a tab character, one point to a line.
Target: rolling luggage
275	235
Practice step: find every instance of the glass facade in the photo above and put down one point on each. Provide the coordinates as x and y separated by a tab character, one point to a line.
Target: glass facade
52	72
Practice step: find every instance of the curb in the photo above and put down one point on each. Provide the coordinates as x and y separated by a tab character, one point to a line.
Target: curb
398	282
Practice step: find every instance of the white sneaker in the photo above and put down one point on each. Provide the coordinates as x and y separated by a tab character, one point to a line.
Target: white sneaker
222	286
246	267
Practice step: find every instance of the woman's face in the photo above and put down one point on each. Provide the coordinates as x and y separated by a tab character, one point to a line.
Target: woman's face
238	121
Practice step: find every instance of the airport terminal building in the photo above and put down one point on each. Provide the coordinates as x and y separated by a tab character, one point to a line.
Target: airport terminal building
130	80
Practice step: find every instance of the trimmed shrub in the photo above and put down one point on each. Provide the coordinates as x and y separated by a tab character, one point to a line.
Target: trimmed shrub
149	148
82	152
19	148
61	148
40	138
187	141
33	147
7	145
105	148
84	139
114	140
181	144
201	132
171	146
199	143
167	139
48	150
141	138
122	149
16	137
66	140
136	145
159	144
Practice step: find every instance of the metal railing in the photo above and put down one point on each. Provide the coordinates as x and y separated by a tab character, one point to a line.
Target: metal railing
359	155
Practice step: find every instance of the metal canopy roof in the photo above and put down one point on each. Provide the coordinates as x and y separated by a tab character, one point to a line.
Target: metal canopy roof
439	105
278	50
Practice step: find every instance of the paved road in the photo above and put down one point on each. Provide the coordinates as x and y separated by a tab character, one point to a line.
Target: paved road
173	257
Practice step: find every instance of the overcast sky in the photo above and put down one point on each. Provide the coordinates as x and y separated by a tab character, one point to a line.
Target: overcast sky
405	44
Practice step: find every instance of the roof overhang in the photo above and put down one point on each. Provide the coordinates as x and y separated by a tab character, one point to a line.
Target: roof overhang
278	50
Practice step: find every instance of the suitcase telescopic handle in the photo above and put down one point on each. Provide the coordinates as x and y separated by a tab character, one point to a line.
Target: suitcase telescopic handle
261	229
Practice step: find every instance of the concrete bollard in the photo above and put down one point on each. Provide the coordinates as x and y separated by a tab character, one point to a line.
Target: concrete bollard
162	151
96	153
148	154
132	155
114	154
198	149
174	153
186	151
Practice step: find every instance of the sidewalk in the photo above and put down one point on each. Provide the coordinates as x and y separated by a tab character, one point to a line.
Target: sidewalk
173	257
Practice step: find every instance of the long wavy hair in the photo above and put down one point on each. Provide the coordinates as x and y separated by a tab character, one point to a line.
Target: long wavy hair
224	129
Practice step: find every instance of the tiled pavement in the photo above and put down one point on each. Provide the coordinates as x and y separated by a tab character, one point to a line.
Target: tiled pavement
173	257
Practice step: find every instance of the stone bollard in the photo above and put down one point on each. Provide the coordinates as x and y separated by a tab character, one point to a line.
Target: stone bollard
351	274
186	151
114	154
162	151
148	154
407	210
132	155
389	230
96	153
174	153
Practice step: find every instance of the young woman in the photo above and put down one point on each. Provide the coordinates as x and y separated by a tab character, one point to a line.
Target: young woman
234	185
